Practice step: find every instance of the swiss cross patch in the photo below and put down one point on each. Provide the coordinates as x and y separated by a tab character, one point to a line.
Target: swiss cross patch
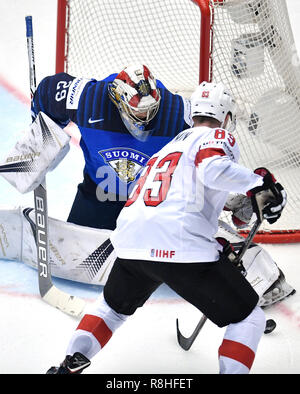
205	94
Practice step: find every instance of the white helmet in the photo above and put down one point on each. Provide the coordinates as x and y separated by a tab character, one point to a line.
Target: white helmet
137	98
215	101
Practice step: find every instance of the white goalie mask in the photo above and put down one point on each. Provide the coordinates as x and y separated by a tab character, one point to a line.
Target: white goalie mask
215	101
137	98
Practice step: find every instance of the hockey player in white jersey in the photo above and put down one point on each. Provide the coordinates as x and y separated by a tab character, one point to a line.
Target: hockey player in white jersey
166	234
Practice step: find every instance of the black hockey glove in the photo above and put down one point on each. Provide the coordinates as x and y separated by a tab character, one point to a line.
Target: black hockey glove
229	254
269	199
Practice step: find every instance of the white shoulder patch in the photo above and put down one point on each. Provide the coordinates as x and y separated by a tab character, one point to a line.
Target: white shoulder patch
75	91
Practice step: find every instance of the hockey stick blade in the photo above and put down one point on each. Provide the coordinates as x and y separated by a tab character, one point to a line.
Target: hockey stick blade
186	343
66	303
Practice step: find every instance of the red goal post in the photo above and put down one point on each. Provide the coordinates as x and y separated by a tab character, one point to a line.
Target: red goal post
62	37
246	44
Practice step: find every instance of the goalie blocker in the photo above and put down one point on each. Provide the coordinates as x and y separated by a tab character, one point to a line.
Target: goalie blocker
41	149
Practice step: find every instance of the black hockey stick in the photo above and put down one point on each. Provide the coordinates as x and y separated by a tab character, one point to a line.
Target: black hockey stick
186	343
49	293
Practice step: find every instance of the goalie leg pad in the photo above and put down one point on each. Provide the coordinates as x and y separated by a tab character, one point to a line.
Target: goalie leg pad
262	271
265	277
77	253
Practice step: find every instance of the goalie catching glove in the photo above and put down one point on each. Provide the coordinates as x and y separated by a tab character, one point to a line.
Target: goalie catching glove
241	208
269	199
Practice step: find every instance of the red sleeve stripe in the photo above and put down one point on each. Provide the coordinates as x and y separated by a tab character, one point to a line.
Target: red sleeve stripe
206	153
97	327
237	351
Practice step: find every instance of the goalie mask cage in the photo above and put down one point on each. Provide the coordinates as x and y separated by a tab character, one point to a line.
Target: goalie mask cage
246	44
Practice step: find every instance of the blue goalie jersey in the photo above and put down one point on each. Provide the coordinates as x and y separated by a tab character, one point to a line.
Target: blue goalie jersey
114	159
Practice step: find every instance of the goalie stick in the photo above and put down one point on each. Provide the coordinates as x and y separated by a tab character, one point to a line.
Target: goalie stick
186	343
49	293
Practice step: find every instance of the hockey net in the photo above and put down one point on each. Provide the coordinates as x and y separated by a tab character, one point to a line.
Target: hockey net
246	44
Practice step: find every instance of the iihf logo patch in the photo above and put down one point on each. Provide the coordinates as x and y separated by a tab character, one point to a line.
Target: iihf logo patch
126	162
169	254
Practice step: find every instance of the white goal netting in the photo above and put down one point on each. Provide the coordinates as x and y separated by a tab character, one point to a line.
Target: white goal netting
252	52
106	35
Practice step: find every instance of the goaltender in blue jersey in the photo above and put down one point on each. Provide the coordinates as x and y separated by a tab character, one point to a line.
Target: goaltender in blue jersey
123	120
